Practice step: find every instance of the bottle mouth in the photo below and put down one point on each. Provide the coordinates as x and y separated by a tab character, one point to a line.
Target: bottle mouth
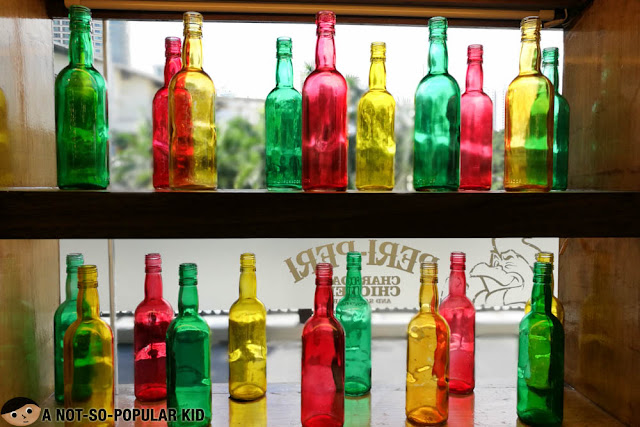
248	260
428	269
474	52
189	273
354	259
543	269
325	21
530	27
545	257
87	276
458	259
378	50
79	18
74	260
172	46
324	270
438	27
550	55
192	24
283	46
153	261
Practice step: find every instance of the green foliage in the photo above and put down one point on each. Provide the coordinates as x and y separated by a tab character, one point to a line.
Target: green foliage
241	154
132	164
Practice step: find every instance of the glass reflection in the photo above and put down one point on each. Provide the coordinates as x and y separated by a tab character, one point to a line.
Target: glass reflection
148	412
244	414
461	410
357	411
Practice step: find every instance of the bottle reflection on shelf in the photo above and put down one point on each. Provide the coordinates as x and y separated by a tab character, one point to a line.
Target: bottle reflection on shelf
357	411
243	414
148	412
462	410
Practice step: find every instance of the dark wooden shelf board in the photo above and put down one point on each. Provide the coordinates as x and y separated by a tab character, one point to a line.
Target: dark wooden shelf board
34	214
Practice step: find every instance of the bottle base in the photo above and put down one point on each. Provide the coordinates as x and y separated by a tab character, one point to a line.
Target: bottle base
194	187
82	186
527	189
284	188
436	189
474	188
425	417
374	188
460	388
151	393
325	189
536	417
246	392
356	388
322	421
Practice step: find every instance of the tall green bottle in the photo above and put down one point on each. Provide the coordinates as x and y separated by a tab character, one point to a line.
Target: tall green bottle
189	355
436	149
541	356
354	314
283	113
82	130
64	316
560	120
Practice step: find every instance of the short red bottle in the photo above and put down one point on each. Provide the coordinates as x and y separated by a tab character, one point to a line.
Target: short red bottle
322	390
476	127
160	112
152	318
460	314
324	116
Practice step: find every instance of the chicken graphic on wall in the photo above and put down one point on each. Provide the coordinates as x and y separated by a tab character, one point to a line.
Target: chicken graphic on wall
506	279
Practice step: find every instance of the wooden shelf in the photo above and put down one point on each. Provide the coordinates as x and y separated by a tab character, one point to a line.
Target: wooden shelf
37	214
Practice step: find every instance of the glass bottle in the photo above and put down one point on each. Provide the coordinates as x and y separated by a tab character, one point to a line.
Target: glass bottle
428	356
324	116
192	129
322	388
528	136
160	113
283	125
247	337
354	314
436	156
560	120
64	316
189	354
476	127
375	136
460	315
541	356
88	353
82	129
557	309
151	320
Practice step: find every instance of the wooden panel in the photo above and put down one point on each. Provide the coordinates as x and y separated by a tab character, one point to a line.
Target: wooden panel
258	214
599	285
602	84
29	296
488	406
26	78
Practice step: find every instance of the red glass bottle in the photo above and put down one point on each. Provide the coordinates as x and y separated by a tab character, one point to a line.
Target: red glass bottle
460	314
322	390
152	318
160	112
324	116
476	127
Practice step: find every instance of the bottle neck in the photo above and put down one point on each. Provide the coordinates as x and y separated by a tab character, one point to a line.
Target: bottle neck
325	52
71	285
80	47
248	282
530	56
457	282
429	294
192	52
88	304
550	71
323	303
284	71
438	56
541	295
172	66
377	75
474	76
188	300
153	284
354	282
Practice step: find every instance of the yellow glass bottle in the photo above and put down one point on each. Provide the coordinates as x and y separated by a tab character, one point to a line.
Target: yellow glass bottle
556	306
88	354
245	414
247	337
375	136
192	130
427	399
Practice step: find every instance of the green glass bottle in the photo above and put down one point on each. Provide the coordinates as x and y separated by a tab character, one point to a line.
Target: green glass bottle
64	316
436	137
189	355
283	113
354	314
82	130
541	356
560	120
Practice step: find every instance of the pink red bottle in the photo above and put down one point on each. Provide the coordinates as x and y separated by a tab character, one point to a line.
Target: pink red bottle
160	112
476	127
322	390
152	318
324	116
460	314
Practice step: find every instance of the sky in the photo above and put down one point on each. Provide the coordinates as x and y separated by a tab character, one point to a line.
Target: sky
240	57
